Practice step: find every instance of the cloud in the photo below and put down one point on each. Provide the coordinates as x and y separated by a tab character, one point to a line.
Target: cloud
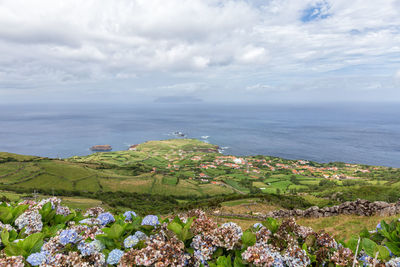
264	88
193	45
397	77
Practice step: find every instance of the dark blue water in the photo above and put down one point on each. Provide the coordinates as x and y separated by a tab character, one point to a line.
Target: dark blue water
368	133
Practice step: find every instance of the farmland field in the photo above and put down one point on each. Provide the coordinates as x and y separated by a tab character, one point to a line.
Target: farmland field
192	169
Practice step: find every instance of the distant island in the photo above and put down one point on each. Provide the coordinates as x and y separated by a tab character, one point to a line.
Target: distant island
178	99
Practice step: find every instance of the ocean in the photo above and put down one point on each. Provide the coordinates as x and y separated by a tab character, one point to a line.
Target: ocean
356	133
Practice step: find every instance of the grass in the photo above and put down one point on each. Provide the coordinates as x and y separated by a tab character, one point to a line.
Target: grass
235	184
344	226
170	180
239	202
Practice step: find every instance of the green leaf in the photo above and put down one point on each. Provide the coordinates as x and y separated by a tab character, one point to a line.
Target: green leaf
178	221
248	238
5	215
13	235
186	234
369	247
271	224
238	262
189	223
365	233
223	261
190	250
175	227
109	243
18	211
218	253
46	209
31	241
384	253
352	244
14	250
5	237
395	249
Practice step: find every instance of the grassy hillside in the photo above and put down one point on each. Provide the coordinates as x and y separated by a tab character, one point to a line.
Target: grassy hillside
191	170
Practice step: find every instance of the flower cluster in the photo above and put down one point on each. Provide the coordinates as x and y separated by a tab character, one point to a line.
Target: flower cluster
262	254
36	259
343	256
204	246
115	256
131	241
69	236
105	218
86	249
129	215
160	250
202	223
7	227
13	261
61	210
393	262
228	235
31	220
295	256
150	220
140	235
101	239
94	212
55	202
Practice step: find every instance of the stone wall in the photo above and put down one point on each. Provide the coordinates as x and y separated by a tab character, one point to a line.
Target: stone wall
358	207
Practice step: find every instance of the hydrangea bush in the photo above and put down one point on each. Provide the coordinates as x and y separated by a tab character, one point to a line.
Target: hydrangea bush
46	233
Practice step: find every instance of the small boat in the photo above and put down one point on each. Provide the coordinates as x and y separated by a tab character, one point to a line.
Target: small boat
101	148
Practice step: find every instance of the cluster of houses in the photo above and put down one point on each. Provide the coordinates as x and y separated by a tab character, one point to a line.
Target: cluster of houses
253	165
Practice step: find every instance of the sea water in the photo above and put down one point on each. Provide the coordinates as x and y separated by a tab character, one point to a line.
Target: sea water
357	133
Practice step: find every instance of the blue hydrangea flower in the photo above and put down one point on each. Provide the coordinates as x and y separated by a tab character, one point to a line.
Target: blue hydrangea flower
140	235
150	220
89	221
36	259
68	236
365	260
257	225
114	256
105	218
129	214
49	258
86	249
131	241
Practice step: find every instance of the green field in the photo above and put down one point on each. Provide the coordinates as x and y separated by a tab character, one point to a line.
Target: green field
192	169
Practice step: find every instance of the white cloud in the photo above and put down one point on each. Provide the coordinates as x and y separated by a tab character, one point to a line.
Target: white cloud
264	88
397	75
226	44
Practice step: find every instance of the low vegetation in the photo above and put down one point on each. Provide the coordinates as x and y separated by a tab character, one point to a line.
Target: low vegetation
47	233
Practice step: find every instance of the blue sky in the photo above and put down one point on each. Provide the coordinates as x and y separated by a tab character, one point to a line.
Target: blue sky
221	51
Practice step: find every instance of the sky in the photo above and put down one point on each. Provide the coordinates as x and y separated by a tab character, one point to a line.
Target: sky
199	50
